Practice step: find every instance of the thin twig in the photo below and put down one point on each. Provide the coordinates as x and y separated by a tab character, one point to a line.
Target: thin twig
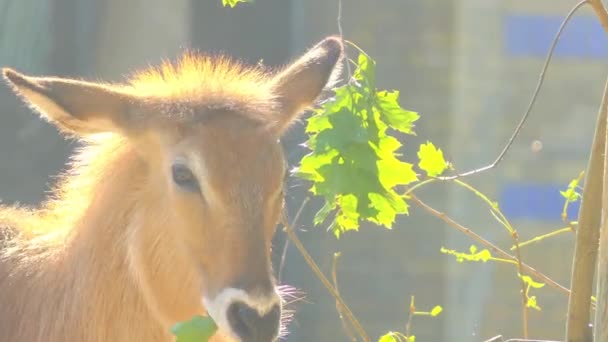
293	223
315	268
410	317
525	340
530	105
334	277
341	33
524	297
526	268
544	236
498	215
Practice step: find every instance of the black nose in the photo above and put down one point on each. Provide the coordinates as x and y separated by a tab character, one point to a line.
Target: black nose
251	326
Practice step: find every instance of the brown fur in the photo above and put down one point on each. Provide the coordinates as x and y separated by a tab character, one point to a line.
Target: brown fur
118	253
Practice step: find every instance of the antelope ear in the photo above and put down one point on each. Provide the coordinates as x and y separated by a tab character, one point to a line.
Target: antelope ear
299	85
75	107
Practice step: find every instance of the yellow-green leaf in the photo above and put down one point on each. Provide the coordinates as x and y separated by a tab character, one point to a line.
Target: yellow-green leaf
354	164
529	281
233	3
532	303
389	337
431	160
436	311
570	194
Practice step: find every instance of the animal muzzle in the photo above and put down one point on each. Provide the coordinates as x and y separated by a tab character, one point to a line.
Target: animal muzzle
246	318
251	325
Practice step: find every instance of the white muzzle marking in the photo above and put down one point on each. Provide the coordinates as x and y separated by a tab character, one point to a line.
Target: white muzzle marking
217	307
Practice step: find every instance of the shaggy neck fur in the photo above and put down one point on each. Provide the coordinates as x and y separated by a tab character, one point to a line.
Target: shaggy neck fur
65	270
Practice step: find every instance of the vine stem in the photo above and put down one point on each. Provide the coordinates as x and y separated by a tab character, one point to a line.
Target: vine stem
334	278
286	246
544	236
539	85
315	268
524	292
500	217
341	33
492	247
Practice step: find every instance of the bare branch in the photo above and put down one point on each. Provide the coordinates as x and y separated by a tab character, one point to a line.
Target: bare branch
587	235
524	298
492	247
341	33
334	277
601	316
293	223
600	12
315	268
521	123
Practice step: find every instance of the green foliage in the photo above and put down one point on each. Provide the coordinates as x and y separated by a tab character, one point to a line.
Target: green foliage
198	329
436	311
354	162
233	3
395	336
531	301
473	255
570	194
431	160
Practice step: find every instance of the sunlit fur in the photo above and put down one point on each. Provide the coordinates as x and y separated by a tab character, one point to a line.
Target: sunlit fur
116	253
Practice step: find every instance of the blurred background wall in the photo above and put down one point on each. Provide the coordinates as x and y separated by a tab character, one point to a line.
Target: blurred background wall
468	66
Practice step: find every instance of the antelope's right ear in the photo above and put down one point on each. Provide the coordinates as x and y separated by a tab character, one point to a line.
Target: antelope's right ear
75	107
299	85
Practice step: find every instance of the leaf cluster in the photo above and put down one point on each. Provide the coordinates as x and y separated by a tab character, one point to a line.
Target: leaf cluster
353	163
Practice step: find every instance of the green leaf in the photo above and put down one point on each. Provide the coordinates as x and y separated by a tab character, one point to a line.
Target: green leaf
366	72
483	255
431	160
530	282
532	303
233	3
436	311
354	164
389	337
570	194
397	117
198	329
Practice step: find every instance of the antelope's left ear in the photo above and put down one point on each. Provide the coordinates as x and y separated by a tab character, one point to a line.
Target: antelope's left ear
75	107
299	85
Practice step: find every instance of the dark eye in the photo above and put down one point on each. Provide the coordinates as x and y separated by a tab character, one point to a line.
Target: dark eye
183	177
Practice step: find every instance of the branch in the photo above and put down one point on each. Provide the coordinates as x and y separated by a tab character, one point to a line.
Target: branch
495	249
601	315
334	278
341	33
315	268
519	126
524	296
600	12
293	223
587	236
590	221
500	339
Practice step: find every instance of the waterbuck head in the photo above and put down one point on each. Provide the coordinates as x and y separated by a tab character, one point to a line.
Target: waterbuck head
206	131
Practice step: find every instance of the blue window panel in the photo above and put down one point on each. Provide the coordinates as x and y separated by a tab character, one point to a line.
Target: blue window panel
533	201
527	35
